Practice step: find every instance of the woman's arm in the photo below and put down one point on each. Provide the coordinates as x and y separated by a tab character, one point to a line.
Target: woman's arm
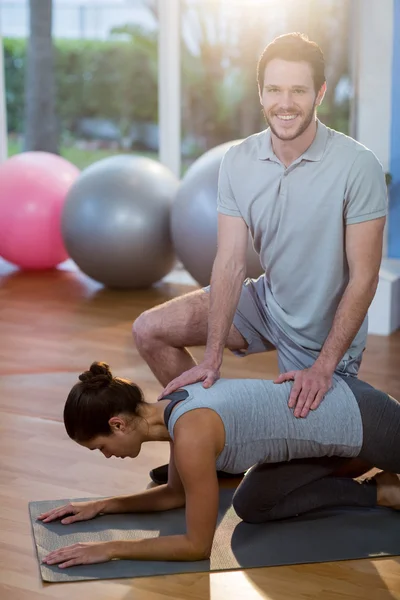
193	464
164	497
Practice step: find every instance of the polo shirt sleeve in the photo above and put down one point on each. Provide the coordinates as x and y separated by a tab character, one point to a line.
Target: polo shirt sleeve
226	203
366	192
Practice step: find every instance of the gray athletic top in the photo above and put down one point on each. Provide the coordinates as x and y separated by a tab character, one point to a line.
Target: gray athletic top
297	217
260	427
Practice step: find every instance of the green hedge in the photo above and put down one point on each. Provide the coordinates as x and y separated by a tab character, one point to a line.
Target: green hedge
14	61
112	79
117	80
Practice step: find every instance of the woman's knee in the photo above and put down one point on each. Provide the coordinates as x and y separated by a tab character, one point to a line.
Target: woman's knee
242	508
250	509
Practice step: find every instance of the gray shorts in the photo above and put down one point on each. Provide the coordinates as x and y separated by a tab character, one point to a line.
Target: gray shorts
254	321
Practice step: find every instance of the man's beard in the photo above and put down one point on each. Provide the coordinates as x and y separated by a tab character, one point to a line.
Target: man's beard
302	127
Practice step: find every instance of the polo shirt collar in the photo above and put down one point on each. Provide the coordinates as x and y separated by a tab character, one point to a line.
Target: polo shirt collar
265	151
313	153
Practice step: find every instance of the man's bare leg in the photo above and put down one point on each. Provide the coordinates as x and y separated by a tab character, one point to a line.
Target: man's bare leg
163	333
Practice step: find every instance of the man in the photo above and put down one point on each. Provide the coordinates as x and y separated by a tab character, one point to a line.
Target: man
315	202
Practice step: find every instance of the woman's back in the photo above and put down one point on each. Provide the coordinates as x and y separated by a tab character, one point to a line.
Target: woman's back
260	427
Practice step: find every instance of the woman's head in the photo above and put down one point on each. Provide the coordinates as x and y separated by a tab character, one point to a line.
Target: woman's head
104	412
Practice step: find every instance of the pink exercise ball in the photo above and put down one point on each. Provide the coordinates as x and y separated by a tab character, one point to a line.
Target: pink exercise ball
33	188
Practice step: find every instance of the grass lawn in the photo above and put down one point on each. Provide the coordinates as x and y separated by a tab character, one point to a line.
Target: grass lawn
79	157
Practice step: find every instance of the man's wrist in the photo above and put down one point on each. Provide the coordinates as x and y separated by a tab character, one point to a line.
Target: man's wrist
213	359
327	366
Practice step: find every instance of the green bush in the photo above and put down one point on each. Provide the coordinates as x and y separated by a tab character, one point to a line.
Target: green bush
14	63
112	79
117	80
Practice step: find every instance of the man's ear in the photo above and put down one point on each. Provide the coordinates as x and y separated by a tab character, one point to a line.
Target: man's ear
321	94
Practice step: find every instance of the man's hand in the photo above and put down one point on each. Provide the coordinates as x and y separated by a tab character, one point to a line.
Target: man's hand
202	372
309	388
80	554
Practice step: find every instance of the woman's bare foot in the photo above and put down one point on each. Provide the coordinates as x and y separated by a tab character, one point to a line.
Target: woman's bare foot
388	489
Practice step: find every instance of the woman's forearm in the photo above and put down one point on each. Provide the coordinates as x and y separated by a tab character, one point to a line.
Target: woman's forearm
151	500
170	547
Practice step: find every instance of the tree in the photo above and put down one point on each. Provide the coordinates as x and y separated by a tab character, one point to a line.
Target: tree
41	130
334	40
221	44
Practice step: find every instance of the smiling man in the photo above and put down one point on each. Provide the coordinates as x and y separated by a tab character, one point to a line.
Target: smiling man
315	203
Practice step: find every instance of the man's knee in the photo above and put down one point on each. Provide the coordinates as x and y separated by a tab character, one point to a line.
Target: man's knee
179	322
146	328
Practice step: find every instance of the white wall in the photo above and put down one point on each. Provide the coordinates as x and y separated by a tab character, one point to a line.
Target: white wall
373	115
374	76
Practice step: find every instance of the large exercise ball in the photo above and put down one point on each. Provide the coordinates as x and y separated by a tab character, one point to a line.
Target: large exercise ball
33	188
115	221
194	218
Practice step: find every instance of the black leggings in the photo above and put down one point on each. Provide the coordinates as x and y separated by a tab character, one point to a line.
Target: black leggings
273	491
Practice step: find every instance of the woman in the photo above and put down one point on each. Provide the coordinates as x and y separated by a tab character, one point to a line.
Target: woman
295	465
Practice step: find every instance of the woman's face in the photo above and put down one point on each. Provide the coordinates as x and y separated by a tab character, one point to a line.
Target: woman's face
124	440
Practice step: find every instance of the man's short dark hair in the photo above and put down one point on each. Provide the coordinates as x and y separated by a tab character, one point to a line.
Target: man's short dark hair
293	47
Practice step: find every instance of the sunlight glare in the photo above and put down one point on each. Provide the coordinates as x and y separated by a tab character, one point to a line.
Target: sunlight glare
235	584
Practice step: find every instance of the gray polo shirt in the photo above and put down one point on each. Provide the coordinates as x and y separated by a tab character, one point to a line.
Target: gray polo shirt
297	217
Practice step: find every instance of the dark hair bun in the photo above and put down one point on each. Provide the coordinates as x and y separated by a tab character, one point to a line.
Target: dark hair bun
98	376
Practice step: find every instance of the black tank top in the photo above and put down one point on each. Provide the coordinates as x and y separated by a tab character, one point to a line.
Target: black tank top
175	397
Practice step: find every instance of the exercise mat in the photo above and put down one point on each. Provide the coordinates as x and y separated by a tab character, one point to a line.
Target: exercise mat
320	536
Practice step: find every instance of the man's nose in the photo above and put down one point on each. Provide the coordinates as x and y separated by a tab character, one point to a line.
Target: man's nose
286	100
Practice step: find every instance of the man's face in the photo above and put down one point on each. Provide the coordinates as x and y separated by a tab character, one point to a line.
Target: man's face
288	97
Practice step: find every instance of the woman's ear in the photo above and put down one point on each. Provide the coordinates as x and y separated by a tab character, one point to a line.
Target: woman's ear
117	424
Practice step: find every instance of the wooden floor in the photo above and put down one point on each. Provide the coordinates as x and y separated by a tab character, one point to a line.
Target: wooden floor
52	326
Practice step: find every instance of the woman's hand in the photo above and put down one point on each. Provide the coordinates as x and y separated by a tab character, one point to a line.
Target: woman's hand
79	511
80	554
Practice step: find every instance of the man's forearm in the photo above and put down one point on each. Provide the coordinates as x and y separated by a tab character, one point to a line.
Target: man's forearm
226	284
349	317
151	500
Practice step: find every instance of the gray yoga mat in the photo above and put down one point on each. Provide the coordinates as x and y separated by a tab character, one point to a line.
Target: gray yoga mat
322	536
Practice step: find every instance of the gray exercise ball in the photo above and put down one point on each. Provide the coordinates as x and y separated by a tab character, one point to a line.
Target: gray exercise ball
194	218
116	221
